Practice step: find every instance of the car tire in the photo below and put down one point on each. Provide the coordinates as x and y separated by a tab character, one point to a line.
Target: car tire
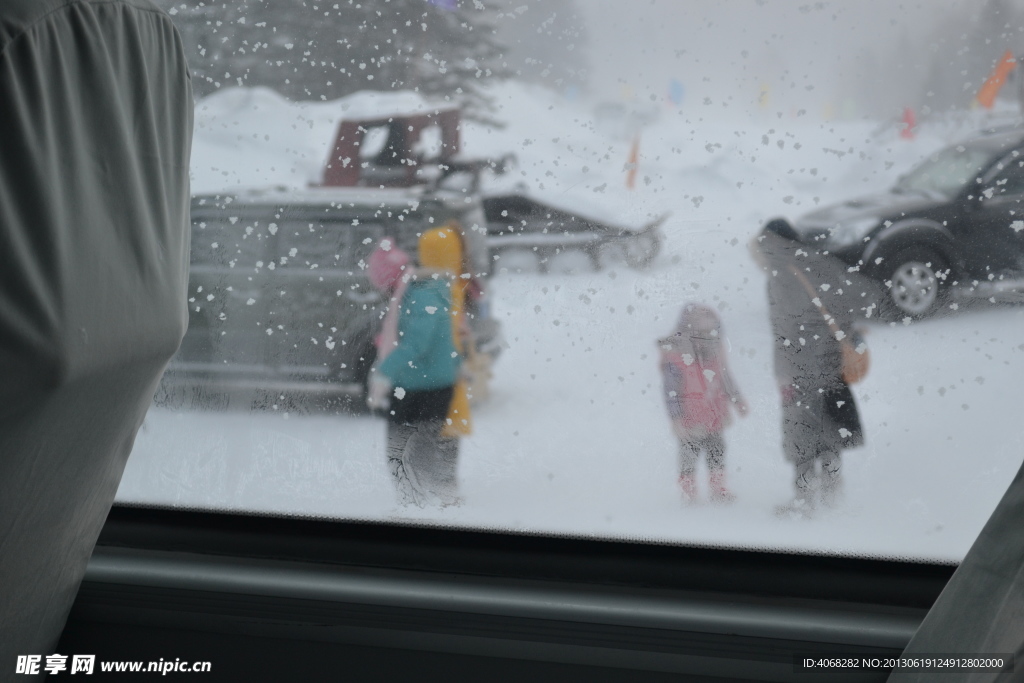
916	283
640	250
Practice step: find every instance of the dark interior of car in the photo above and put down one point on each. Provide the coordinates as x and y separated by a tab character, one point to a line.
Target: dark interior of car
283	599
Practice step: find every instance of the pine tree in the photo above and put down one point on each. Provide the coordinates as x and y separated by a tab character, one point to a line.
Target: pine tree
307	49
546	41
442	53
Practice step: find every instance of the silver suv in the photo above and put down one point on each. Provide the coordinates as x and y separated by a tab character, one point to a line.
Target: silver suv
279	300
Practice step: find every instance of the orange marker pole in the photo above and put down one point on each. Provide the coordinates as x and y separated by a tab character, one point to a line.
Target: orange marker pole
909	124
990	88
632	163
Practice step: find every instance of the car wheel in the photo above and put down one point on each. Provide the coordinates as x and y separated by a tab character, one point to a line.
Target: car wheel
640	250
917	283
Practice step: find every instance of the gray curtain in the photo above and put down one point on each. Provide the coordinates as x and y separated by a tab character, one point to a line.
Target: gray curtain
95	132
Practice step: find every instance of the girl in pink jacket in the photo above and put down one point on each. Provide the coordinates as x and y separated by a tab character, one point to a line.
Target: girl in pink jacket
699	391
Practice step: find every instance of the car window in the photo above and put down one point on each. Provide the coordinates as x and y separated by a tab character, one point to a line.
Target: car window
1007	178
374	144
948	171
585	267
232	242
309	245
343	243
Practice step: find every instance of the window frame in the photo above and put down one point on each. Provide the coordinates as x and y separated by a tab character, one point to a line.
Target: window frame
681	609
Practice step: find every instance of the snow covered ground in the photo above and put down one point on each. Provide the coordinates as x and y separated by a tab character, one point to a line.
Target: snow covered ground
574	439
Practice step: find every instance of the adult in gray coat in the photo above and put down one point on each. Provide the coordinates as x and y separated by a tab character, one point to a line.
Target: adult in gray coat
807	287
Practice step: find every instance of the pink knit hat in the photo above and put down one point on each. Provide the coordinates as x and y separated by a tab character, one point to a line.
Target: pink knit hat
698	320
386	264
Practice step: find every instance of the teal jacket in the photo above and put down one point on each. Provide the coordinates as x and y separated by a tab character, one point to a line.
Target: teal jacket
425	357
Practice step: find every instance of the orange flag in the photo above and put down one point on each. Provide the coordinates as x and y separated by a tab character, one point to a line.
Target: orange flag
909	123
634	160
987	95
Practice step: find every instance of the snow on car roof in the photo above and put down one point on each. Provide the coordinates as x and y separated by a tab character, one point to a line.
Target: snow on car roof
583	203
255	137
995	140
318	195
367	104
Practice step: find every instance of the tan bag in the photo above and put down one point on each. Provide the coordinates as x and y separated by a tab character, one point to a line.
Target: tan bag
856	363
855	357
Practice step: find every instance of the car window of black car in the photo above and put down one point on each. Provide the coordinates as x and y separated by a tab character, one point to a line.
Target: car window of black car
947	171
1007	178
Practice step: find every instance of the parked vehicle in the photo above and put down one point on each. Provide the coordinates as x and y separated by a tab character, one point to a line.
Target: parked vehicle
279	300
518	222
399	140
953	226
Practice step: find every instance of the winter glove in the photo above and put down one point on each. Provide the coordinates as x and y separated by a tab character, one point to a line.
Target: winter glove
378	396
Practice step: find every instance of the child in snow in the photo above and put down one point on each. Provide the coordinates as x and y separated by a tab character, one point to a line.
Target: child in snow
698	392
417	371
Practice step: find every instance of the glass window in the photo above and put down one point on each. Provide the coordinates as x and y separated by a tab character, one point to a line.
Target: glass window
496	264
309	245
949	171
1007	179
231	242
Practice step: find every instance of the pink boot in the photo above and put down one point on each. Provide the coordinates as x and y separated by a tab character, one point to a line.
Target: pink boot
689	486
720	494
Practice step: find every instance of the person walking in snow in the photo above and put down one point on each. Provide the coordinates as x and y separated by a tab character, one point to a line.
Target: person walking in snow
810	295
417	368
699	390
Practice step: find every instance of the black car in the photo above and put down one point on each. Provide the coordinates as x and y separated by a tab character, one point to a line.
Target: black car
953	226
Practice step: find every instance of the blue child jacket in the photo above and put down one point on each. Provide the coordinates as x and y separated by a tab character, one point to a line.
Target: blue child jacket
425	357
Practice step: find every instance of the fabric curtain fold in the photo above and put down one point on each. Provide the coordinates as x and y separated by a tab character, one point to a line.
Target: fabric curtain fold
96	121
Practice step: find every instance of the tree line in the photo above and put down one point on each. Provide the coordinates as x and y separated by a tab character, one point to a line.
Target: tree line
322	50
